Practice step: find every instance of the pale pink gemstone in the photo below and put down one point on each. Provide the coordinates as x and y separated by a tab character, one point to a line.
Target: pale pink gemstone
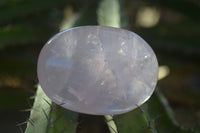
98	70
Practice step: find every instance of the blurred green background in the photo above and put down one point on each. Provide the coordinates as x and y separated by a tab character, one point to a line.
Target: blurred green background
172	28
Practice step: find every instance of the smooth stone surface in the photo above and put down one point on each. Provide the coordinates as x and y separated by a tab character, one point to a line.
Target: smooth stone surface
98	70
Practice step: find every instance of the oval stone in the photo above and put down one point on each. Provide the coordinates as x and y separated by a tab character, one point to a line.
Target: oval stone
97	70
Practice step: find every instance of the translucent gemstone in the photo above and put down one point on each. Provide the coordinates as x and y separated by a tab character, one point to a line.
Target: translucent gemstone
98	70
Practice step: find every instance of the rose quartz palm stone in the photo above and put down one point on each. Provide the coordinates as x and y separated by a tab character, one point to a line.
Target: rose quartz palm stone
97	70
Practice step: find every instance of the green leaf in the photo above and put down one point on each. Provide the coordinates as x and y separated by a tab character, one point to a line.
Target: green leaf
22	35
111	124
134	121
109	13
13	9
62	120
161	113
38	121
47	117
88	15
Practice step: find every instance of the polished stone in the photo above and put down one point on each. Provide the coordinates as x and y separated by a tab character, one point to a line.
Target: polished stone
98	70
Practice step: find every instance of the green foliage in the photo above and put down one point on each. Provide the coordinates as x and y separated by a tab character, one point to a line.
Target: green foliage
46	117
109	13
22	35
161	114
111	124
134	121
62	120
173	41
38	121
17	8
